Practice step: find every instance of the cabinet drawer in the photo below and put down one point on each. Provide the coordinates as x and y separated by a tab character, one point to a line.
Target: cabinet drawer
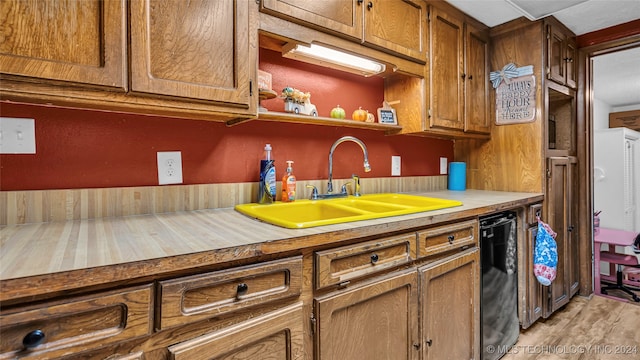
447	237
276	335
345	263
533	212
77	324
199	297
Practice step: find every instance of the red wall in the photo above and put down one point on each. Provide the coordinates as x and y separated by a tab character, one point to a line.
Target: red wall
86	149
78	148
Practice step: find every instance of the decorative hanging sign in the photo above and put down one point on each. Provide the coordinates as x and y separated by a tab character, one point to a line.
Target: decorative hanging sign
515	94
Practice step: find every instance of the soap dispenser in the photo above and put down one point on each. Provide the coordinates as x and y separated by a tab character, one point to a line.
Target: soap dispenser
267	185
289	184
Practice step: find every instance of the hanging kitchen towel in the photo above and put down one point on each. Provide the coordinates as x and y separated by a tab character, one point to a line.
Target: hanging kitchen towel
545	254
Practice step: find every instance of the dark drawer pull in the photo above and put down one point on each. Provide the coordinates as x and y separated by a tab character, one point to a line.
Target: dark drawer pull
242	290
451	238
33	339
374	258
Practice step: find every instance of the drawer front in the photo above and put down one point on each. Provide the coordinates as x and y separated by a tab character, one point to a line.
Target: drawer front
445	238
276	335
343	264
533	212
199	297
56	329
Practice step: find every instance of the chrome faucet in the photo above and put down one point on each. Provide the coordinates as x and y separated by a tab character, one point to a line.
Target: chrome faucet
367	167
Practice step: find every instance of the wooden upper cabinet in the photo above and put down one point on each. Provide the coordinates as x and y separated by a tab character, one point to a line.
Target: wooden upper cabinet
399	26
561	55
476	81
342	16
198	49
70	41
396	26
446	70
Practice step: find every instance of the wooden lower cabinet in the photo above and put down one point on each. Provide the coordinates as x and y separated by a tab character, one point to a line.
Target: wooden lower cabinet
534	300
562	215
450	307
377	320
277	335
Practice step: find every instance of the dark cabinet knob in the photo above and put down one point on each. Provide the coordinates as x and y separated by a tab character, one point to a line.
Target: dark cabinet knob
568	59
369	5
429	342
374	258
463	76
360	2
451	238
242	289
570	228
33	339
470	77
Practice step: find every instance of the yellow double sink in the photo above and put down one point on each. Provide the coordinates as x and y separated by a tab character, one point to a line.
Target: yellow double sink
309	213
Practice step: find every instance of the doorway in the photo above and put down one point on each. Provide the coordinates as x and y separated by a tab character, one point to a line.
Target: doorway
610	88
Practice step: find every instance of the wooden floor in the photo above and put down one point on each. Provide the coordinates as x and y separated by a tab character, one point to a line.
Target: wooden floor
587	328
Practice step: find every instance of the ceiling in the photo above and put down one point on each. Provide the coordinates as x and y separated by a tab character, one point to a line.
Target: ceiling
581	17
616	75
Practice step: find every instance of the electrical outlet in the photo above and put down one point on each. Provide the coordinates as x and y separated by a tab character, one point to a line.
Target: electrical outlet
395	166
443	166
17	136
169	167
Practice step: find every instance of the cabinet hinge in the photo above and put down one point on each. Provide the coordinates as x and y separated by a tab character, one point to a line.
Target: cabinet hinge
548	173
250	87
313	324
428	112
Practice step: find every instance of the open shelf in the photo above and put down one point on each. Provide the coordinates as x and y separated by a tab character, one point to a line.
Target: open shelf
320	120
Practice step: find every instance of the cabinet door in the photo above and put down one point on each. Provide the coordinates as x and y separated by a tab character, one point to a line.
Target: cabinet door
476	82
377	320
450	291
399	26
570	62
71	41
559	210
534	300
197	49
343	16
446	71
278	335
555	54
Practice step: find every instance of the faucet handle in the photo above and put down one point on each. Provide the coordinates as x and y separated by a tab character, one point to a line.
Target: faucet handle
344	187
356	181
314	192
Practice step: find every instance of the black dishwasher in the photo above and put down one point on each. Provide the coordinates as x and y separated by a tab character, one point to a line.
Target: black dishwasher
499	283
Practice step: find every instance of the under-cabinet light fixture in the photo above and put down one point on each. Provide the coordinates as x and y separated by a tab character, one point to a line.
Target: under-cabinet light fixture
335	59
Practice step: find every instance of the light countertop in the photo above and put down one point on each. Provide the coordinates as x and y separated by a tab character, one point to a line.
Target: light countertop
91	252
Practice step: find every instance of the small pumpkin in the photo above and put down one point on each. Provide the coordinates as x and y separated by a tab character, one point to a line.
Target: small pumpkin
360	115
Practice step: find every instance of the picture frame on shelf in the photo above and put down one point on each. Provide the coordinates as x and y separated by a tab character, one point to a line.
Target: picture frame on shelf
387	114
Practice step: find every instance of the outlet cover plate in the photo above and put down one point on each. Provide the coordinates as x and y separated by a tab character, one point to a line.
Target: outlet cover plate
169	167
17	136
443	166
395	165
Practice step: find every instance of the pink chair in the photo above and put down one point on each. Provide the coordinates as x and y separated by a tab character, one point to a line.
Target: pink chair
619	260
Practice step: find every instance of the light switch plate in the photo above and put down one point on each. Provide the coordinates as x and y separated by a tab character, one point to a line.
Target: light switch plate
169	167
443	166
17	136
395	166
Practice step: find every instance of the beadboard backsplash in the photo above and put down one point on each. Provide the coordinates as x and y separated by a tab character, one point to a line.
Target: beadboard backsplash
36	206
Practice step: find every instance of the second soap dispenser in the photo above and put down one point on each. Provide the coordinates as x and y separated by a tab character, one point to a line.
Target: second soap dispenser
289	184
